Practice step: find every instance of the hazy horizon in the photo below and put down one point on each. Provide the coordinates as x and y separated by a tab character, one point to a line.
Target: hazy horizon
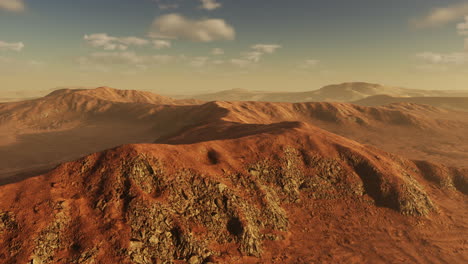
233	131
176	47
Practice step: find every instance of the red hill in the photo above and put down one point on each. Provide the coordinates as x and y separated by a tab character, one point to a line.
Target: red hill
286	193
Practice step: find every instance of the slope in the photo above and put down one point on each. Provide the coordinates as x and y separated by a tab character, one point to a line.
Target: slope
453	103
62	128
411	130
36	135
279	193
345	92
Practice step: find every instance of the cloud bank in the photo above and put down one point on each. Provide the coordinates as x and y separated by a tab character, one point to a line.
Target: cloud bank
266	48
210	4
217	51
11	46
442	15
161	44
456	58
175	26
12	5
167	4
106	42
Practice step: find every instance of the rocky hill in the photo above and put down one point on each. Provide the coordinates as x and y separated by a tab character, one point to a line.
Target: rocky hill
279	193
66	125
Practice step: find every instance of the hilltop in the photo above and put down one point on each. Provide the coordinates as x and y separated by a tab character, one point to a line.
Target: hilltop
280	193
65	125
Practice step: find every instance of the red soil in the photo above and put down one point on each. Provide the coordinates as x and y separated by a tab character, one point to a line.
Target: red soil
344	203
67	124
243	182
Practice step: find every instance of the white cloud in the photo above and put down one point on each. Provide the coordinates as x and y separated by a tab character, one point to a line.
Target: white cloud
309	64
210	4
312	62
106	42
175	26
254	56
11	46
217	51
12	5
266	48
439	61
443	15
167	4
432	68
133	41
161	44
199	62
455	58
241	62
463	27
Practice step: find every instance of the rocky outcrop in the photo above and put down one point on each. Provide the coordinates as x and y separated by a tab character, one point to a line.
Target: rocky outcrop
230	201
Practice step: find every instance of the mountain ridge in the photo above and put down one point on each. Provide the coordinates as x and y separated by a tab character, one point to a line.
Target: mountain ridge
150	202
344	92
36	135
454	103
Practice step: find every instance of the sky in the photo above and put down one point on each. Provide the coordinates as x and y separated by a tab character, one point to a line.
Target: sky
193	46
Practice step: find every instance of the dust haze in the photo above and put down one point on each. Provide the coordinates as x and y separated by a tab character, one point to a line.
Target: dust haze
347	172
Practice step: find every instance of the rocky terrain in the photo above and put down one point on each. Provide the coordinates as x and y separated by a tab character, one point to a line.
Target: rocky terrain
230	182
37	135
412	130
288	193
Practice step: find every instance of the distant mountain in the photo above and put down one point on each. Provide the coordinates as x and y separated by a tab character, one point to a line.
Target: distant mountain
454	103
412	130
70	123
229	182
67	124
122	96
66	105
345	92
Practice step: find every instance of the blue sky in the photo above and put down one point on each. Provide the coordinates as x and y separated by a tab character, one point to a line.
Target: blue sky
265	44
